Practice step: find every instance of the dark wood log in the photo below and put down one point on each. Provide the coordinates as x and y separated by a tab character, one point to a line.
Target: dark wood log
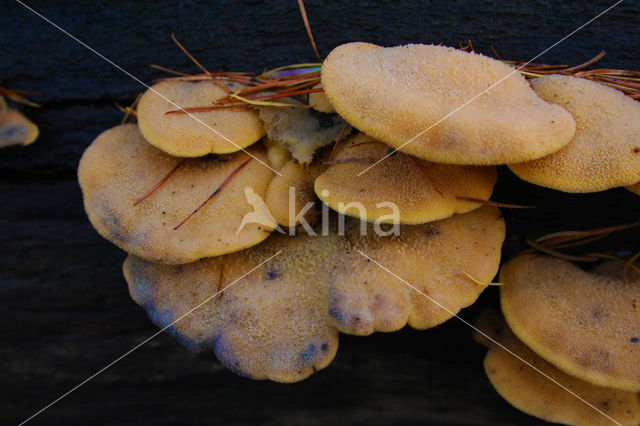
64	307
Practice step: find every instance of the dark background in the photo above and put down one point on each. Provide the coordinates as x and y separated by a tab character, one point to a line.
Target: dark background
64	307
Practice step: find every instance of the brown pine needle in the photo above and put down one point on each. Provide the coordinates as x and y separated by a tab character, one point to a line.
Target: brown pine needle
549	251
335	145
303	12
15	95
186	52
587	233
582	66
214	194
493	203
159	184
169	70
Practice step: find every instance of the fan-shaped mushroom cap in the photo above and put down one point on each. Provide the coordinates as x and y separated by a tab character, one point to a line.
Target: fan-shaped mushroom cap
320	102
185	135
433	258
396	94
586	324
605	152
282	203
529	391
16	129
301	130
280	321
120	166
422	191
634	188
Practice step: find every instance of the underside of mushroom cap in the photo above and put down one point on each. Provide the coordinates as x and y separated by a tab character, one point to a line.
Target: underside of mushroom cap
605	152
530	391
586	324
634	188
419	190
196	134
120	166
281	320
442	104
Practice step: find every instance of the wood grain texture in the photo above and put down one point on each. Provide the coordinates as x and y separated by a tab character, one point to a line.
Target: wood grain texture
64	307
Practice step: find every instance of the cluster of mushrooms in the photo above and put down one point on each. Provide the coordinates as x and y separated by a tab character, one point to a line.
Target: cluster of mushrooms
174	191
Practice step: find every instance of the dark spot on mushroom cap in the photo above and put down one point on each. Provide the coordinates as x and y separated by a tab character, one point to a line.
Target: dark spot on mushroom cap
271	275
310	352
635	339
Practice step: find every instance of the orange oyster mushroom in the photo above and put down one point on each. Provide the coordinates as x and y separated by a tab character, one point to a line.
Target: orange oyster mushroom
605	152
119	166
281	320
585	323
220	131
443	104
421	191
523	384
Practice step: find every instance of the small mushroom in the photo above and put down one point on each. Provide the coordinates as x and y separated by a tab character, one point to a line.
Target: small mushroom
120	166
300	130
320	102
278	155
529	391
586	324
281	321
442	104
291	193
165	126
15	128
605	152
420	190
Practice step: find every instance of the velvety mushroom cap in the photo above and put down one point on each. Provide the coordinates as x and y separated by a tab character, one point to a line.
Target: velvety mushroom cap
301	130
284	203
16	129
529	391
605	152
395	94
433	258
120	166
421	190
281	321
586	324
634	188
182	135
